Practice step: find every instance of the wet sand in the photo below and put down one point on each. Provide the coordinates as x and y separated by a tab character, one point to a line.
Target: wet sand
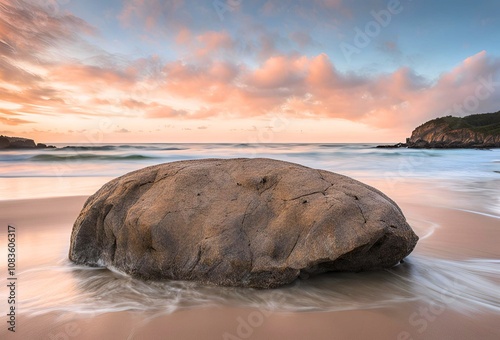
450	234
226	323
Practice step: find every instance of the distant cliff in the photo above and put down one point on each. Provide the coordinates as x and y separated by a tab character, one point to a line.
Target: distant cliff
475	131
20	143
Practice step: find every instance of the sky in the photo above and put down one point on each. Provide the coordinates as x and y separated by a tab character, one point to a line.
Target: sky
245	71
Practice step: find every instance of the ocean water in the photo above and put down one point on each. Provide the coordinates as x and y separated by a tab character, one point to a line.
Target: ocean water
83	168
453	181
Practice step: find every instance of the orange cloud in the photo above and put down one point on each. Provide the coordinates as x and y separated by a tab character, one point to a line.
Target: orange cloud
215	40
210	85
278	72
90	76
13	121
26	29
299	86
163	111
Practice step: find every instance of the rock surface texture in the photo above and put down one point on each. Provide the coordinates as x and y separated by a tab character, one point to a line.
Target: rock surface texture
239	222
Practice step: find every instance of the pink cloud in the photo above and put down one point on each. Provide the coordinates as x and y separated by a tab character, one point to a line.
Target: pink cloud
215	40
183	36
26	28
279	71
92	77
303	87
13	121
163	111
151	13
210	85
211	43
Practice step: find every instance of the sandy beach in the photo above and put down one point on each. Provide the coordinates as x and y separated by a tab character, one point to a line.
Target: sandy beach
226	147
44	225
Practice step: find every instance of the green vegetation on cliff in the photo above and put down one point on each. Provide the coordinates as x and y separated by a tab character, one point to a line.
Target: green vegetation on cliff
486	123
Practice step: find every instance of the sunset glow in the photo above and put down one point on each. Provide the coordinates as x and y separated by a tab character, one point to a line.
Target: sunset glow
242	71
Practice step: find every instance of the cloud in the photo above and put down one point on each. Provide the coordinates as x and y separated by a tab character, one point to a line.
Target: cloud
87	74
196	26
8	117
13	121
215	40
301	38
164	111
122	130
154	14
272	7
30	39
278	72
300	86
26	28
209	84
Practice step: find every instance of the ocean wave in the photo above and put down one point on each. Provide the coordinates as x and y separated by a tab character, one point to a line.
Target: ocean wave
87	157
151	147
173	149
461	285
87	148
333	146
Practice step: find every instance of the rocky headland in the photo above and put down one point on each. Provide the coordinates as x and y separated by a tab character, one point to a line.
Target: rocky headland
479	131
20	143
239	222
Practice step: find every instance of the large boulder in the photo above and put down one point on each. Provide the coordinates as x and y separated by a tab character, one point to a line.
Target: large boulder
239	222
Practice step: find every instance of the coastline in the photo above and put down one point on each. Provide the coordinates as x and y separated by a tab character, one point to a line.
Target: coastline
447	234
